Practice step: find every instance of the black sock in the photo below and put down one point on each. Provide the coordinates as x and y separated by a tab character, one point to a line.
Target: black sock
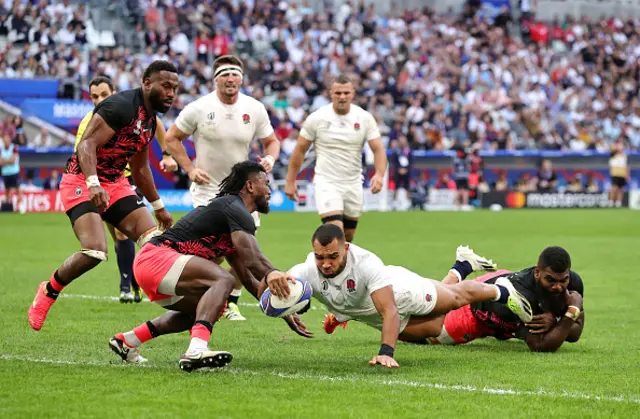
233	299
464	268
125	252
51	292
504	294
153	330
206	324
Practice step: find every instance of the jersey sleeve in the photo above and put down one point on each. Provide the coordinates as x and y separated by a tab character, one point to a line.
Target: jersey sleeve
309	128
374	273
264	128
372	128
187	121
82	128
115	112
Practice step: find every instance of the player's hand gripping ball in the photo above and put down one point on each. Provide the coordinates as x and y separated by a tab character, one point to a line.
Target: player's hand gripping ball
298	301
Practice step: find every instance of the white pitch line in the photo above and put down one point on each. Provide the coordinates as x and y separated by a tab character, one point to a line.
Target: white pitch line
389	383
112	298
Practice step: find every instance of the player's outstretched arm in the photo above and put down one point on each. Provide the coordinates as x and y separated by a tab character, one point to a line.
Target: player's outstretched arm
143	178
385	303
168	164
251	266
295	163
569	328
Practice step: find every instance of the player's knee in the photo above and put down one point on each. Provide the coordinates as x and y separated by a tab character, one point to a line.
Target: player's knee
146	236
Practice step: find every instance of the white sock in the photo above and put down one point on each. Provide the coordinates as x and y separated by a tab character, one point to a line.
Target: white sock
198	345
236	293
498	293
131	339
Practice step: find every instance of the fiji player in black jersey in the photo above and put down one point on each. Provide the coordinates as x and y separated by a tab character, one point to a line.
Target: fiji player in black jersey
555	293
180	269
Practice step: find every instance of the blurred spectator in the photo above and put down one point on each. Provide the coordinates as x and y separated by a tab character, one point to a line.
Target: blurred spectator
591	185
619	171
10	169
575	185
43	139
401	163
502	183
546	179
419	191
19	138
445	182
462	170
52	182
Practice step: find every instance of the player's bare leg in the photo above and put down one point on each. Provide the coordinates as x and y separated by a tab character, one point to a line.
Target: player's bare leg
139	226
232	312
350	226
205	287
93	243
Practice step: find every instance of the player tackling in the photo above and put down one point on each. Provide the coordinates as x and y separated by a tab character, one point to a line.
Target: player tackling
339	131
93	188
101	88
223	124
180	270
552	289
354	284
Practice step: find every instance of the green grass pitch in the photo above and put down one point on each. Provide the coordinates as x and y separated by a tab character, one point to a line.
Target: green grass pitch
66	370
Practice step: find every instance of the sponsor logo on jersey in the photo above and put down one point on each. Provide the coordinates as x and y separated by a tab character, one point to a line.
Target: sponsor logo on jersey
325	285
246	118
78	191
351	285
211	116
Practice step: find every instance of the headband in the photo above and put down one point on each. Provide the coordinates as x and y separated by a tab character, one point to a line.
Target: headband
226	69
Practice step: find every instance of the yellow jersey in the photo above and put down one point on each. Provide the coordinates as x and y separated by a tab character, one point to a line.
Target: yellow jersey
82	128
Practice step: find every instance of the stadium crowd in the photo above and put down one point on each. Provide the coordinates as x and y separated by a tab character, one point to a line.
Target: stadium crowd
432	81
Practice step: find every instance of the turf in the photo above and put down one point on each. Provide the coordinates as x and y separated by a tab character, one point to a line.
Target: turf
66	369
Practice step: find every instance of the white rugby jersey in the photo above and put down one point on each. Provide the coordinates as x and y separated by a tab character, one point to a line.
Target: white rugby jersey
339	140
222	133
348	295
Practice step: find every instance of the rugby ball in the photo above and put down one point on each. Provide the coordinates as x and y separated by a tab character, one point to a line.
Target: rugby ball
298	301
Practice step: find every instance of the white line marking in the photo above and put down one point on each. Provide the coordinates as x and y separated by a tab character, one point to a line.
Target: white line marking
112	298
391	383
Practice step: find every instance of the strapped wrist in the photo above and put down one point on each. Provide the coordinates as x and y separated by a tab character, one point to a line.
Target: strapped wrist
386	350
157	204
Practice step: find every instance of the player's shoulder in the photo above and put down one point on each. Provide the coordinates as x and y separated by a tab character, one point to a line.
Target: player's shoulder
524	277
575	282
361	255
322	112
251	102
122	102
360	112
204	101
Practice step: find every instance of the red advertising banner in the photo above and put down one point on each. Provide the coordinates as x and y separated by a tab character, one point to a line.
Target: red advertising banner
42	201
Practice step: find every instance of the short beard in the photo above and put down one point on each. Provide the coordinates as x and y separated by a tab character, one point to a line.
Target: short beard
262	205
154	99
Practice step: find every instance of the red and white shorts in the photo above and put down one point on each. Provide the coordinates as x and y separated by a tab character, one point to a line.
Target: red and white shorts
461	326
157	270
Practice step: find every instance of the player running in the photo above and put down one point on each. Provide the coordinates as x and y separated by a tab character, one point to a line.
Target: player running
94	189
101	88
551	288
339	131
180	270
223	124
355	285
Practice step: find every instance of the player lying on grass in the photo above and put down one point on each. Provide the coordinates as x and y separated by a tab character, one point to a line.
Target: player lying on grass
180	270
93	188
552	289
355	285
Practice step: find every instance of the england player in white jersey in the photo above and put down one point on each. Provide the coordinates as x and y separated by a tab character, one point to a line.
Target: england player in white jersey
339	131
223	125
354	284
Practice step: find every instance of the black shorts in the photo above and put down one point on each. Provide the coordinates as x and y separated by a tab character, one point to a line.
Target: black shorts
402	181
11	181
134	187
619	181
462	184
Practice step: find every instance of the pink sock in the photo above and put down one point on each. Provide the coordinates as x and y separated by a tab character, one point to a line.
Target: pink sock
55	284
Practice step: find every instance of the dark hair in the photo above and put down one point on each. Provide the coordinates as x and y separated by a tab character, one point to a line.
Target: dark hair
556	258
240	172
158	66
227	59
327	233
97	81
342	79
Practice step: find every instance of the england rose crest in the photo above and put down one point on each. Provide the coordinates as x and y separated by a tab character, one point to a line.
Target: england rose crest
356	126
246	118
351	285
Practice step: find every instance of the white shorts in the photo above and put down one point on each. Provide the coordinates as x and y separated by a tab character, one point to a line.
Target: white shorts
344	197
201	195
168	284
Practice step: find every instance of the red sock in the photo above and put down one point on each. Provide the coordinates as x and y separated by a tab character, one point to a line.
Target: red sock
143	333
54	282
200	331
